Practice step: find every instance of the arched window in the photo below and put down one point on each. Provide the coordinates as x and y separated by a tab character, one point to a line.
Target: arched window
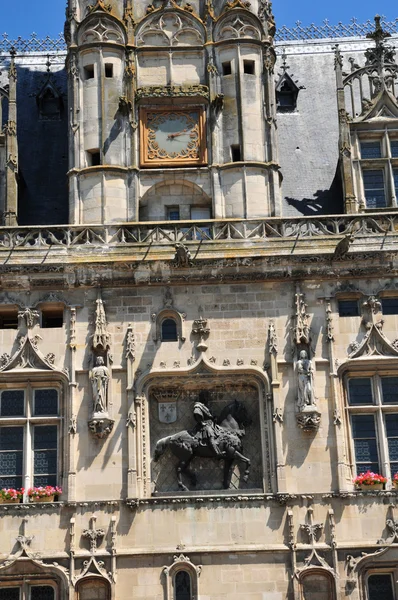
182	579
182	586
93	588
169	330
317	586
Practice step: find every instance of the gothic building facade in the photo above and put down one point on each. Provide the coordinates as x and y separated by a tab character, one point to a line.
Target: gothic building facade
198	308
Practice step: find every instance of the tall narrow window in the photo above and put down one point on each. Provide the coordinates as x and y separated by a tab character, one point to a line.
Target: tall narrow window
109	70
249	67
373	183
182	585
169	330
236	154
394	148
227	68
88	72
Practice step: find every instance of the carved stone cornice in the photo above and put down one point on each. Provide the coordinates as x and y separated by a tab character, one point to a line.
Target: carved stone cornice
172	91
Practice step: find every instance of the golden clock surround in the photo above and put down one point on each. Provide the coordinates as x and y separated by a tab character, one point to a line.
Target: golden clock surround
153	156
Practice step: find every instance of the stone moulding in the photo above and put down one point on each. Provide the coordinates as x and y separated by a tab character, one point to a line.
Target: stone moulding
172	91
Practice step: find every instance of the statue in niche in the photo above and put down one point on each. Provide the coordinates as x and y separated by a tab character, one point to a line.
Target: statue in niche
306	397
99	378
209	439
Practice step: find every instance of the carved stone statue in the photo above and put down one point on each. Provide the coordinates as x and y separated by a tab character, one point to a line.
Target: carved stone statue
99	378
306	397
209	440
206	431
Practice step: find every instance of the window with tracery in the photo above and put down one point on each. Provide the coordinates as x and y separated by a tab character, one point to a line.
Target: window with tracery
29	436
373	409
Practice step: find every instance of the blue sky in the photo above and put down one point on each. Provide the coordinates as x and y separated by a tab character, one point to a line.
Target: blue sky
46	17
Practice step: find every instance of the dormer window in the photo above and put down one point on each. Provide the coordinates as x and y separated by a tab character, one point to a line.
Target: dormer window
286	98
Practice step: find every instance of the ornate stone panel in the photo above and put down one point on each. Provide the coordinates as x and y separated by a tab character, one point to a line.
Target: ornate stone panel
209	471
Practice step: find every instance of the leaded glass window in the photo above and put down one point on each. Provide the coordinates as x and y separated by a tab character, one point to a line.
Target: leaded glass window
29	424
42	592
370	150
12	403
11	456
394	148
45	455
27	592
10	593
373	408
365	443
375	193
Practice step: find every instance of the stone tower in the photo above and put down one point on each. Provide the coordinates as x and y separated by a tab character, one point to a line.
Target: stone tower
172	111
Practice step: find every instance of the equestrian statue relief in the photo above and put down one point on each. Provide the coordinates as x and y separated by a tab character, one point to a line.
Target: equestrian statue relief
210	438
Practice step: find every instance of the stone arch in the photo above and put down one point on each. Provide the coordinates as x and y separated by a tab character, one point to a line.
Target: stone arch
156	202
180	388
182	565
237	24
317	583
99	28
170	28
19	567
93	586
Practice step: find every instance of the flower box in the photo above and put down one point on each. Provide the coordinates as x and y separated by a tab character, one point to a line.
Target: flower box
10	496
42	498
43	494
370	482
371	487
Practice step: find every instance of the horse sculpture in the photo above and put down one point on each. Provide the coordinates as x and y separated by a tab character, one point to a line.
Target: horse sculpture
226	444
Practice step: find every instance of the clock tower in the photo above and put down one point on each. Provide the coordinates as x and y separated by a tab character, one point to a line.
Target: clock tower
172	110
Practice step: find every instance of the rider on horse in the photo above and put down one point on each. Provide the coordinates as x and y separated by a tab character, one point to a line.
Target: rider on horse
206	430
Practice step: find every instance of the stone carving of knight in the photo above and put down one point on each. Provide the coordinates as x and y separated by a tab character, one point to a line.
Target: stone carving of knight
206	431
99	377
306	396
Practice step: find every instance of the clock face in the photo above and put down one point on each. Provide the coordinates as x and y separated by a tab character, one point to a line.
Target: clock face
173	136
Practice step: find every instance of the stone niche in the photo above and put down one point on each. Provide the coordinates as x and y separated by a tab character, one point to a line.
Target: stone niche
171	411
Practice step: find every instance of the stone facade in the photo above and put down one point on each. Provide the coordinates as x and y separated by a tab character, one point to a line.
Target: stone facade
242	336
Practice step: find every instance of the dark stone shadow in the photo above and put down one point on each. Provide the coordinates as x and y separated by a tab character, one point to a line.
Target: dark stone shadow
324	202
